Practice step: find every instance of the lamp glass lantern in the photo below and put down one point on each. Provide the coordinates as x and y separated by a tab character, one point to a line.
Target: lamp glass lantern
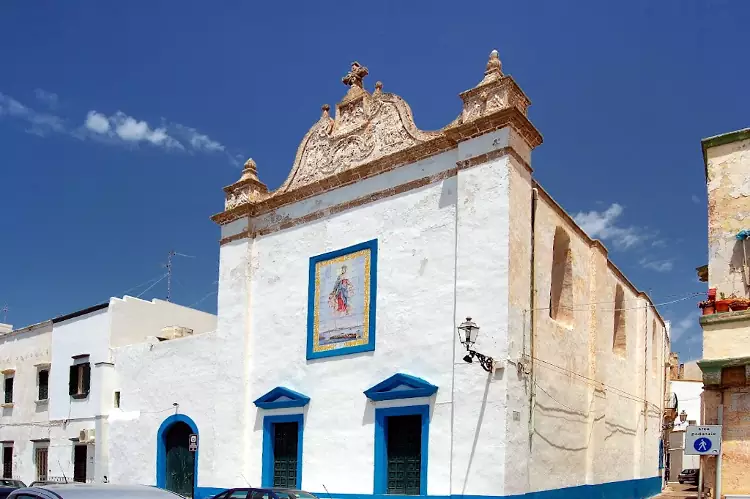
468	332
683	416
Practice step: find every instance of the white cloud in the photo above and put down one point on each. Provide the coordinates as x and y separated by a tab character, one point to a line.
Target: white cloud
197	140
603	224
49	99
695	199
118	128
687	324
126	129
97	122
657	265
40	123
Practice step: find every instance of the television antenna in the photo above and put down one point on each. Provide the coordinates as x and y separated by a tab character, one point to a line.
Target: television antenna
169	266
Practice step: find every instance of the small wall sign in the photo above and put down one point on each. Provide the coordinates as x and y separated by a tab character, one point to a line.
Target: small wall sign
193	442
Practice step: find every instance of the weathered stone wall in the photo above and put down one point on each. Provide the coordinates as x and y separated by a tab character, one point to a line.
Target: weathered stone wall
728	183
596	411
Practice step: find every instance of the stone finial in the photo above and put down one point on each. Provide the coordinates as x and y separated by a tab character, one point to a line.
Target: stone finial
378	87
250	171
324	110
355	76
494	69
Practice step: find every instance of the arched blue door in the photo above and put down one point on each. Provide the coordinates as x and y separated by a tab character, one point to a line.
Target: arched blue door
176	466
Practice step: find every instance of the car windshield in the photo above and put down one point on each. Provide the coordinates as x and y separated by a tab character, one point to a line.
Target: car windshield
4	482
294	494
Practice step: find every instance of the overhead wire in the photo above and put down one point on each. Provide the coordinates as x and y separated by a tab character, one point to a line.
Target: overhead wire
154	284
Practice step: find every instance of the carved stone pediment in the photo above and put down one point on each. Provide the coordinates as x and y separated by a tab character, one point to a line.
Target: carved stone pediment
367	127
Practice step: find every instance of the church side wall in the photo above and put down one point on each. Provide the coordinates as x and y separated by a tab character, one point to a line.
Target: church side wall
587	432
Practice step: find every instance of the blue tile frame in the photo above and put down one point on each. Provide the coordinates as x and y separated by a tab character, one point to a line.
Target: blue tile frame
372	245
380	484
270	399
268	440
385	389
161	449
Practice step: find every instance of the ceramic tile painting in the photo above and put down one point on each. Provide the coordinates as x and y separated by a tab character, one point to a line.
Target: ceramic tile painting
341	315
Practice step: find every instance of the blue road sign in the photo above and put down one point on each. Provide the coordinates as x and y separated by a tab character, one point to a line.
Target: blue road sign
702	444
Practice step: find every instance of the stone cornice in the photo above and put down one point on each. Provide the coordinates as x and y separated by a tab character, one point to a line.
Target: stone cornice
375	133
724	317
446	141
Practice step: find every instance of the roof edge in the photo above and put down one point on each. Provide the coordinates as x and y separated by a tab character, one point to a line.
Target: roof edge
79	313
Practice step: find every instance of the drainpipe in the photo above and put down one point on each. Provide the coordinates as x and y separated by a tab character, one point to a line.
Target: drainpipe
532	306
720	421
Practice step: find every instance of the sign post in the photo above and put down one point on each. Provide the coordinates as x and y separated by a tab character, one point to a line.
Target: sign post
704	441
193	443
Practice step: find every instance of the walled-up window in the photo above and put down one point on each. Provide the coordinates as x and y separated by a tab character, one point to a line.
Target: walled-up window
561	288
619	342
654	348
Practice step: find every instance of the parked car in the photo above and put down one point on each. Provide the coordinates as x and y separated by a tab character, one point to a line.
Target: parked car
7	482
689	475
91	491
270	493
7	486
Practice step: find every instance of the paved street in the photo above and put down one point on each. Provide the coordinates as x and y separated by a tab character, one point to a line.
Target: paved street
675	490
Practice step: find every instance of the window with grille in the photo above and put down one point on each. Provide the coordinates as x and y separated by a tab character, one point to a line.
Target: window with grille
43	381
9	389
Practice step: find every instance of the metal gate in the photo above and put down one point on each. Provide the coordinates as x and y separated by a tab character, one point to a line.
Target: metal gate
180	461
404	454
41	463
285	455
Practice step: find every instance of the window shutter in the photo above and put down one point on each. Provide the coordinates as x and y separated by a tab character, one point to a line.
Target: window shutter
86	378
73	382
8	390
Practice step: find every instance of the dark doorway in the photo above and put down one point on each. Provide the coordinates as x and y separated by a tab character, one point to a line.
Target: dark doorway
7	461
404	451
180	462
79	463
285	454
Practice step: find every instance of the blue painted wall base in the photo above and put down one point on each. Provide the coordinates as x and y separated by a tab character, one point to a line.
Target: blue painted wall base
629	489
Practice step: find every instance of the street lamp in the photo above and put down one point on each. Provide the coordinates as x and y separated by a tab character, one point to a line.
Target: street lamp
468	332
683	416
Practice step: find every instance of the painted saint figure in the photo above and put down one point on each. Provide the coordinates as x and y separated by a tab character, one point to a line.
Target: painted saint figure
342	290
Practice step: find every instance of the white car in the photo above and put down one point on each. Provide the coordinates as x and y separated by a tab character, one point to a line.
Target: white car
92	491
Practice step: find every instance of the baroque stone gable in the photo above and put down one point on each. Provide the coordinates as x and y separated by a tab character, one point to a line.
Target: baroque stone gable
374	132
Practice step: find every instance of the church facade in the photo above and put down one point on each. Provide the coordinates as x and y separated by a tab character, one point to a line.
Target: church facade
410	313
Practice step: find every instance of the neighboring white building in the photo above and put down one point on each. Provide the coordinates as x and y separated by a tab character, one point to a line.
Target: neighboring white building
68	429
336	364
687	389
24	424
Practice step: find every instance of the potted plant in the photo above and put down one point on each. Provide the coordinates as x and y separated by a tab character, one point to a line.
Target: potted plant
722	304
739	303
707	306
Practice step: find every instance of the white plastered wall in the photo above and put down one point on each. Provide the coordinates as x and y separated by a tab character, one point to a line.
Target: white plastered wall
28	419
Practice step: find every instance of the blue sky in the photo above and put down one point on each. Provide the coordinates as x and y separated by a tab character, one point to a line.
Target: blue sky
121	122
